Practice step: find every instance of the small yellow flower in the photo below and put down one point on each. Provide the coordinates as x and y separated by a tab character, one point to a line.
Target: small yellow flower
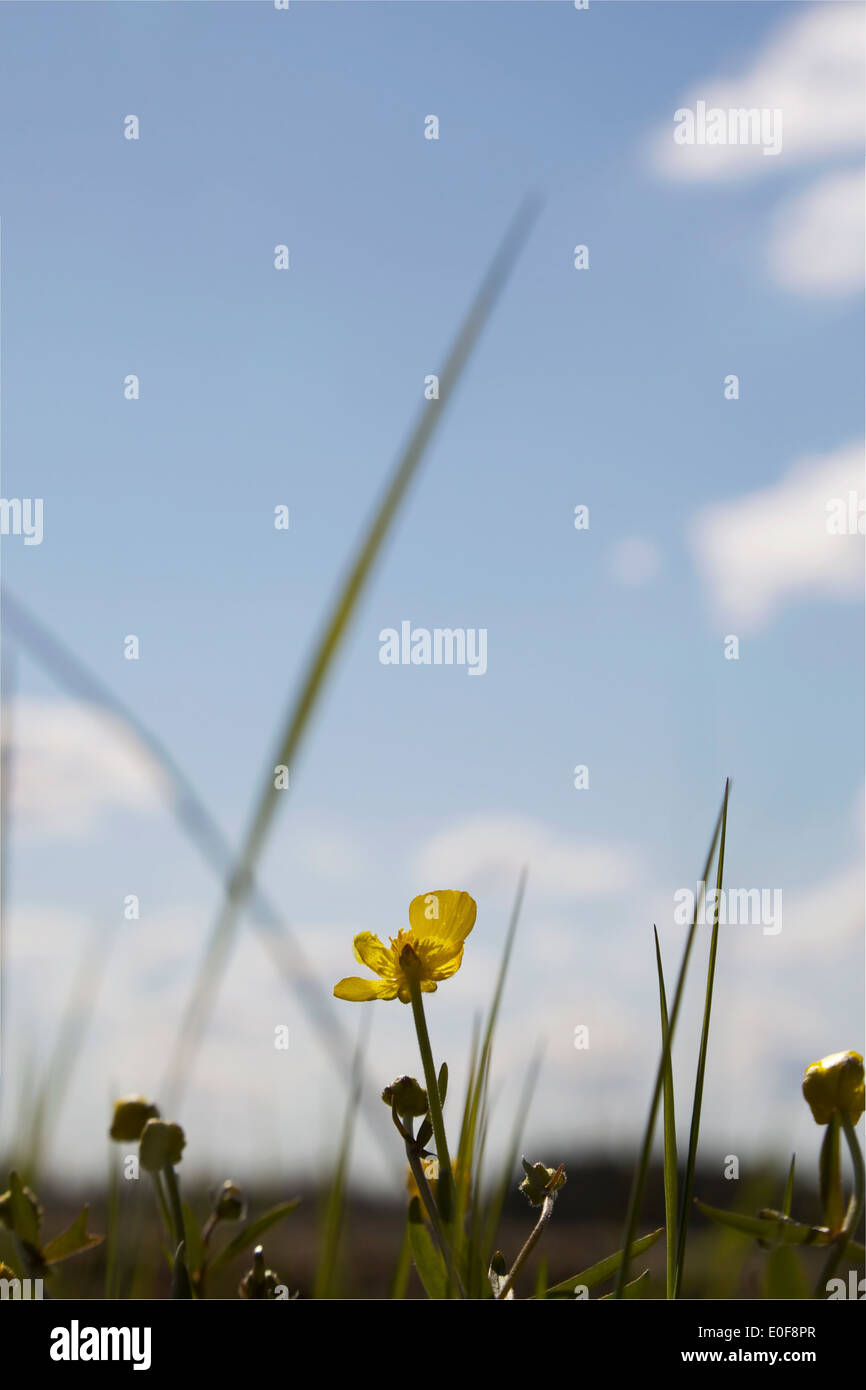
432	949
835	1083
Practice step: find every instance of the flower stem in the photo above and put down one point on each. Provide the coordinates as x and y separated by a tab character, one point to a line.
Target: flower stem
427	1199
855	1210
445	1185
534	1237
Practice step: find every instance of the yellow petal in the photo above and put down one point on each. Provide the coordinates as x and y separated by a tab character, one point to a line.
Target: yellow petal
370	952
358	991
444	916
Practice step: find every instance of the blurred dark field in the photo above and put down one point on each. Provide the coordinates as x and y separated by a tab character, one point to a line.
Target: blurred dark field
587	1226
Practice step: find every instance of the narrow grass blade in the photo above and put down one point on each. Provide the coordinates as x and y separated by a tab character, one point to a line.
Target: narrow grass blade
469	1152
635	1288
694	1133
770	1227
670	1132
251	1234
325	1284
326	649
403	1268
597	1273
639	1180
788	1198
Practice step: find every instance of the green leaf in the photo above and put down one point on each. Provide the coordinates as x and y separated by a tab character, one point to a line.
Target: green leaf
72	1241
25	1221
635	1288
427	1259
772	1228
252	1232
670	1132
597	1273
785	1277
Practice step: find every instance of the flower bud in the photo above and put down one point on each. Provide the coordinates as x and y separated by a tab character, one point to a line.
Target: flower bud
410	1097
835	1084
161	1144
131	1114
259	1282
540	1181
229	1205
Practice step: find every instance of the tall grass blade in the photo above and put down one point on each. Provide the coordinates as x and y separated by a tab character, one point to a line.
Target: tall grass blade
670	1133
325	651
325	1285
694	1133
639	1180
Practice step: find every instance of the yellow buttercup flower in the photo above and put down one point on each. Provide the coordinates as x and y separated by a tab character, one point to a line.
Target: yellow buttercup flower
431	950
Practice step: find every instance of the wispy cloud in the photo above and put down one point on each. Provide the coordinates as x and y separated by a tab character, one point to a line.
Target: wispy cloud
816	246
71	765
811	70
756	553
486	852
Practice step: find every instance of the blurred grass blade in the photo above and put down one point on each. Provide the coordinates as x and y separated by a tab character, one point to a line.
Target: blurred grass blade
80	1005
597	1273
788	1198
195	819
325	651
400	1281
493	1212
670	1132
785	1277
639	1180
427	1260
694	1133
474	1116
325	1284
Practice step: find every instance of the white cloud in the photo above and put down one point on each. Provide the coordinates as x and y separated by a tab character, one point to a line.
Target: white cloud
817	241
488	851
810	69
634	561
72	763
759	551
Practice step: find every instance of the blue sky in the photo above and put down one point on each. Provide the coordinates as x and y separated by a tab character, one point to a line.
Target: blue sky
602	387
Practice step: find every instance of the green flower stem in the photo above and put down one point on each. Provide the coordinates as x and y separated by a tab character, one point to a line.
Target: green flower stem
855	1210
445	1186
174	1200
534	1237
163	1206
423	1186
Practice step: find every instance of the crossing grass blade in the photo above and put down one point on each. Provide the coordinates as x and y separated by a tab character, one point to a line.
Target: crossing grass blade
639	1180
325	652
670	1133
694	1133
194	818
